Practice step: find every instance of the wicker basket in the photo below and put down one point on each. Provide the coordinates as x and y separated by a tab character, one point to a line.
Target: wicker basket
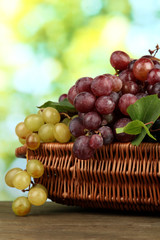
120	176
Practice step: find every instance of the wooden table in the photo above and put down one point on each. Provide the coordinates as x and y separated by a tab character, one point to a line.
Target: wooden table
55	221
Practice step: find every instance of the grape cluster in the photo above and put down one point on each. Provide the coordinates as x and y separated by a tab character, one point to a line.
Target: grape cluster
21	179
102	102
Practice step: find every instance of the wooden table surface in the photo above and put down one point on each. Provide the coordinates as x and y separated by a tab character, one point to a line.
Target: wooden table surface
55	221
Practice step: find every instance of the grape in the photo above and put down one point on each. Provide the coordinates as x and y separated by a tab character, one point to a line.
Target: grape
140	95
84	102
156	89
46	132
33	141
116	83
76	127
10	175
72	93
62	97
92	120
119	60
130	65
105	105
35	168
108	118
21	180
21	130
84	84
107	134
156	64
42	187
130	87
142	67
149	89
62	133
153	76
125	101
115	97
96	141
102	85
81	115
33	122
66	121
51	115
127	75
81	148
22	141
37	196
40	111
21	206
122	137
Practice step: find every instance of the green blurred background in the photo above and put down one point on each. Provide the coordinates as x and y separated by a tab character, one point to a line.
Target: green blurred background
45	46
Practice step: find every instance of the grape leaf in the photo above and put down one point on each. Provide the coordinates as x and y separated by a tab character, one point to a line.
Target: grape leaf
63	106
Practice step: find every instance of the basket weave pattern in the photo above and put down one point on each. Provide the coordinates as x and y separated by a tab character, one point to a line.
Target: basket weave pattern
120	176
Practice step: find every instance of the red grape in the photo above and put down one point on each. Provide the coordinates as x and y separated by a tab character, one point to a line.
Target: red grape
153	76
82	149
130	65
105	105
142	67
84	102
140	95
115	97
92	120
72	93
127	75
96	141
62	97
125	101
102	85
107	134
76	127
130	87
156	89
119	60
83	84
116	83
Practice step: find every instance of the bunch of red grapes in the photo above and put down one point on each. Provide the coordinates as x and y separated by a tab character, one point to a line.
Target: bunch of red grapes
102	102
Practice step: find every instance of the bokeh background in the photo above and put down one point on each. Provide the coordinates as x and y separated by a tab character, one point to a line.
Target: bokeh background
46	45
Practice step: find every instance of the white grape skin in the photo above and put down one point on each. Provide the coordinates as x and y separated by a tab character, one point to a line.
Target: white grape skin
35	168
21	180
21	206
10	175
37	196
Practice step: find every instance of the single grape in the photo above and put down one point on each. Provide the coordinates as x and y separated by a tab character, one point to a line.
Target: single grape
42	187
115	97
81	115
21	180
92	120
62	97
116	83
156	89
21	206
21	130
72	93
33	122
35	168
102	85
107	134
156	64
33	141
40	111
81	148
46	132
105	105
127	75
62	133
119	60
108	118
51	115
153	76
122	137
125	101
130	65
66	121
10	175
149	89
37	196
84	84
96	141
84	102
142	67
76	127
130	87
22	141
140	95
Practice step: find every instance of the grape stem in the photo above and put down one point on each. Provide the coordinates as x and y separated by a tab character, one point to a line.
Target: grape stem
65	114
155	52
149	123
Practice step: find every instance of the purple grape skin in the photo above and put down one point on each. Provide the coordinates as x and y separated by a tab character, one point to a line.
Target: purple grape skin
130	65
102	85
108	118
81	148
122	137
125	101
115	97
107	134
81	115
149	89
127	75
156	89
72	93
62	97
96	141
140	95
84	102
92	120
153	76
76	127
84	84
130	87
105	105
119	60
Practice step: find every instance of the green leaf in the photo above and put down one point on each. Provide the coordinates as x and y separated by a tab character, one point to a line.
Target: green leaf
63	106
146	109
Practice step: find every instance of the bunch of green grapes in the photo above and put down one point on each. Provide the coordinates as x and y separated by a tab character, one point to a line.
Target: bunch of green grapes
45	126
21	179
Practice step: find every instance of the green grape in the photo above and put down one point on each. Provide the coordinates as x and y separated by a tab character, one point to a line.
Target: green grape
62	133
22	141
21	130
40	111
33	122
21	180
35	168
46	132
33	141
21	206
37	196
10	175
51	115
66	121
75	116
42	187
